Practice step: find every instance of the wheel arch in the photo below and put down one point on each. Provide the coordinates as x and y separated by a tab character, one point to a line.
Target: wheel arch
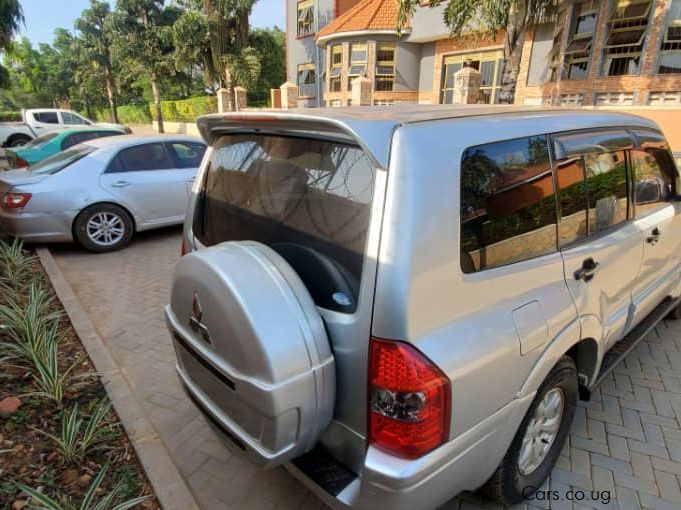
14	136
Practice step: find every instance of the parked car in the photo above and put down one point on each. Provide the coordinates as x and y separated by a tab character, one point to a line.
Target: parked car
46	120
50	144
402	304
102	191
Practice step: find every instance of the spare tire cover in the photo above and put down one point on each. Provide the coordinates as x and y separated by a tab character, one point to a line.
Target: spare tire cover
252	348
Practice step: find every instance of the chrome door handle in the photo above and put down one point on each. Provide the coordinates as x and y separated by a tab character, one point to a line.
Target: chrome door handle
654	236
120	184
588	270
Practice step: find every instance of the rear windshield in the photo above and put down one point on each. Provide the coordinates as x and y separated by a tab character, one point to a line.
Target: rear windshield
37	143
308	199
60	161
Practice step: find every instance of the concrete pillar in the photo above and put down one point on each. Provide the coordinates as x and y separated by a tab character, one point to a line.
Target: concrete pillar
289	95
466	85
223	100
361	91
275	98
240	101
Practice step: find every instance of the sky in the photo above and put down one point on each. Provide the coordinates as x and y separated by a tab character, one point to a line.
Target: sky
43	16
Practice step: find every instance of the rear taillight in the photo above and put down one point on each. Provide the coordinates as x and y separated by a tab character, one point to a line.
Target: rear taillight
15	200
183	248
21	162
409	400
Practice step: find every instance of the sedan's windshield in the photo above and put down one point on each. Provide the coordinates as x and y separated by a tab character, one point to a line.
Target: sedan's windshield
39	142
60	161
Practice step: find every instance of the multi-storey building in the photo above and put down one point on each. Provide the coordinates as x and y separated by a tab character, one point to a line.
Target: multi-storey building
609	52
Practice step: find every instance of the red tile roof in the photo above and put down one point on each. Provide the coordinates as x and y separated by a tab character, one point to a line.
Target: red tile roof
367	15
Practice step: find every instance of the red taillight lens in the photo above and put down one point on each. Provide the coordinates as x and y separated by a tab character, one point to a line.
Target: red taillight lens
21	162
409	400
15	200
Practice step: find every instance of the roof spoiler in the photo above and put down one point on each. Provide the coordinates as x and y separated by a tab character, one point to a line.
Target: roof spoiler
373	137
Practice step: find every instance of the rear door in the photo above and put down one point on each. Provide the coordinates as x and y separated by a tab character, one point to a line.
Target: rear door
187	156
44	121
600	244
145	179
657	213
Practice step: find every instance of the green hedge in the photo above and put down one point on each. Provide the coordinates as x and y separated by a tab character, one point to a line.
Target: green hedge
10	117
134	114
186	110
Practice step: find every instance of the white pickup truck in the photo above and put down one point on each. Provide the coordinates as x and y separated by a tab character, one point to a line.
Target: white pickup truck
44	120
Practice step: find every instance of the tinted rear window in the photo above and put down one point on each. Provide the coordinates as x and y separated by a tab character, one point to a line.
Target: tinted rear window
310	200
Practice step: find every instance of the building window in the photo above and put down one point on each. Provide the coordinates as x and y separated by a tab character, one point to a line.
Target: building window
307	80
624	45
336	64
571	99
490	65
385	67
358	62
578	51
660	98
554	53
615	98
305	18
670	50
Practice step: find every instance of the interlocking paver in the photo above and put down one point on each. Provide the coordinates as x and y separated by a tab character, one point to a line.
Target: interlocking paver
627	440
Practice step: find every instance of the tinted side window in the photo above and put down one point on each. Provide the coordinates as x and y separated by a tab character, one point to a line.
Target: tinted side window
77	138
654	175
606	182
188	154
572	199
46	117
150	156
508	210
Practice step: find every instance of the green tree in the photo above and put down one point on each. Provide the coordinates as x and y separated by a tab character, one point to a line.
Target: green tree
96	47
11	17
270	44
192	45
144	42
489	17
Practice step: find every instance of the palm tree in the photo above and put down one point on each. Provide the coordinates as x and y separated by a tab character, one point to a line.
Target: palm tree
11	16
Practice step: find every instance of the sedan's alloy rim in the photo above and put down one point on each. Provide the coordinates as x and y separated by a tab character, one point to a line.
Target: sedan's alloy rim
541	431
105	228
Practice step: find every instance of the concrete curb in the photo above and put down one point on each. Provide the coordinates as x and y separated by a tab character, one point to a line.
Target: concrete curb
170	488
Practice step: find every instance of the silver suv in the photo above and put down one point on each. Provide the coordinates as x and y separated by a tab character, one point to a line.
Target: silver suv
403	303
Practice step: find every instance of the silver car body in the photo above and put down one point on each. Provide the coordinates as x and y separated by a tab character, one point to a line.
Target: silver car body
495	333
153	198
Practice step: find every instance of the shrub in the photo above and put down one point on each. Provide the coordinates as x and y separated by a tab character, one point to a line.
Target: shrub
134	114
10	117
186	110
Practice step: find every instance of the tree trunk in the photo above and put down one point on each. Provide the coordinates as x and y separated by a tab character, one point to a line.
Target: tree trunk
110	94
88	106
229	85
157	103
513	51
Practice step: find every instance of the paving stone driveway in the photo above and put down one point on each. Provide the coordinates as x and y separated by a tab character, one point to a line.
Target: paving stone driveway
626	441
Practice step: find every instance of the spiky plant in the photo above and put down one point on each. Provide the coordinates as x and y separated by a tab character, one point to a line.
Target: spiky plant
16	264
47	376
106	502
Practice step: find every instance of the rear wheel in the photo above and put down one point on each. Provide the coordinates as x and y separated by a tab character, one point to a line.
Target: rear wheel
103	227
540	437
18	140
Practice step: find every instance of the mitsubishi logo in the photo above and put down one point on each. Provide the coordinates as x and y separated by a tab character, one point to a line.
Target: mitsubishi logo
195	320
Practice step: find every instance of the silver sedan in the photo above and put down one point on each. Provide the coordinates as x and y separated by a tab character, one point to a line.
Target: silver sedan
101	192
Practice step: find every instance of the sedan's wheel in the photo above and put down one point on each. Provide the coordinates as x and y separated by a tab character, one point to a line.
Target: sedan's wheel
540	437
103	227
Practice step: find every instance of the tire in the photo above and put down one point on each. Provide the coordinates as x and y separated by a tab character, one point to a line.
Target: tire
114	232
675	313
511	483
18	140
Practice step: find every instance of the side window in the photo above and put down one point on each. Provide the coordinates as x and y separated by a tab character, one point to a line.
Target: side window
591	173
46	117
654	179
77	138
70	118
508	210
150	156
188	154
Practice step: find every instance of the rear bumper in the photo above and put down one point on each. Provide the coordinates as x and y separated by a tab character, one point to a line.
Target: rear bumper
39	226
464	463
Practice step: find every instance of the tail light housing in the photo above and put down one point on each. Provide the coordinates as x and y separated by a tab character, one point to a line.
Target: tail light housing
15	200
21	162
409	400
